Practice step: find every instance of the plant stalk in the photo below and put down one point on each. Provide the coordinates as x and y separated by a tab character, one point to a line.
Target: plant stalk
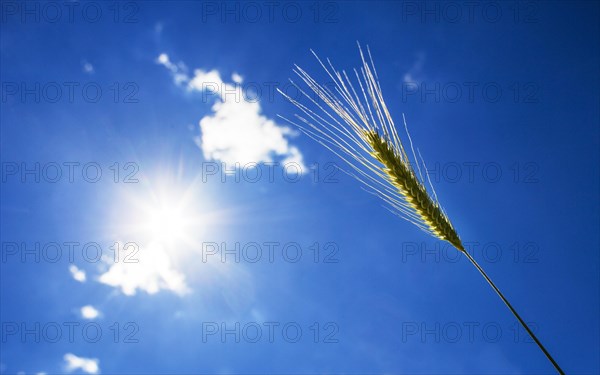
539	344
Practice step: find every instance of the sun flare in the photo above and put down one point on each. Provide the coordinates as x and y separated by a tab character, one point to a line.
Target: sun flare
166	213
167	221
170	217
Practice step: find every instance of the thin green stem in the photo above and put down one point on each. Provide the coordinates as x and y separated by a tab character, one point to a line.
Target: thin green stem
485	276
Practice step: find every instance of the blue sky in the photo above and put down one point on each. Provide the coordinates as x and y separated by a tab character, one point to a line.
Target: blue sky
111	138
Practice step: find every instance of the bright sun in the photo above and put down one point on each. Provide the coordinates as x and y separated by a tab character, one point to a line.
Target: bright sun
169	214
170	217
167	222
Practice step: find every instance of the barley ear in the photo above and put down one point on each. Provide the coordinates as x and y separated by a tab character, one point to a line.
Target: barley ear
414	192
357	126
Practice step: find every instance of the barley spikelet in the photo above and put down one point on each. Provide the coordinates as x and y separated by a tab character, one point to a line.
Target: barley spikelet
357	126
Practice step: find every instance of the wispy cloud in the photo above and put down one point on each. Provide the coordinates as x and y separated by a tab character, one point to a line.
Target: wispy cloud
87	67
158	28
415	73
77	274
87	365
178	71
235	131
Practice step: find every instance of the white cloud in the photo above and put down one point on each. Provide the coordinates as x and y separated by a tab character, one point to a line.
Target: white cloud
235	131
89	312
87	67
77	274
163	59
179	71
237	78
151	273
87	365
